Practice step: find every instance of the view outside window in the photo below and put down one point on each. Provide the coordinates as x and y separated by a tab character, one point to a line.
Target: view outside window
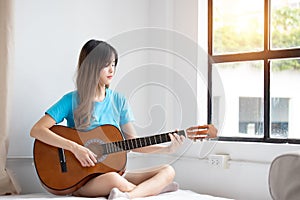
243	84
285	24
238	27
251	116
285	96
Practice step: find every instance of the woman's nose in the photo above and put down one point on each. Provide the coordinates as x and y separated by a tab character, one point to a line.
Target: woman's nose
111	68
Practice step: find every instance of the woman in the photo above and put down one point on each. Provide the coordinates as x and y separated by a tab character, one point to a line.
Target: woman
94	104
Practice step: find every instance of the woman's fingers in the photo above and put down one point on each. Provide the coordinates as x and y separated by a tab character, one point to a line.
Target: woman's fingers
93	157
88	162
176	142
90	159
85	156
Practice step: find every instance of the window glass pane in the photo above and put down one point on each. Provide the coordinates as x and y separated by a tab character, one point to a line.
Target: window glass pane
279	117
251	116
237	26
285	24
285	98
242	102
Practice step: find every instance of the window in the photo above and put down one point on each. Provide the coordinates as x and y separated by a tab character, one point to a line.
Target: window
255	52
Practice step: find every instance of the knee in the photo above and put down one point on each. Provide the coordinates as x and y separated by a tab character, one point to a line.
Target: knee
112	176
116	180
169	171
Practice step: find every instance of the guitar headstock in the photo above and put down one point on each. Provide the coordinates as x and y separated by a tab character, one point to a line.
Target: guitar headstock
201	132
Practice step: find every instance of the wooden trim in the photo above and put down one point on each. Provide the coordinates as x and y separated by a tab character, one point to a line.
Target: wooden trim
271	54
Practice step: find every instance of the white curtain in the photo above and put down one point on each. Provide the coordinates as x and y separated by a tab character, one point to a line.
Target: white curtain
8	185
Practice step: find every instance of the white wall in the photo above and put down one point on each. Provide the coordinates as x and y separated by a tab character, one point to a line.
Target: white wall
245	178
48	37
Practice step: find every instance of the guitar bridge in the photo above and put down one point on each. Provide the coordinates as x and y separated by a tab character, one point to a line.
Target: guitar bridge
62	160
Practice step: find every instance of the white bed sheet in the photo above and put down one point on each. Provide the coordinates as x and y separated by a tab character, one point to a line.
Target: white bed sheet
178	195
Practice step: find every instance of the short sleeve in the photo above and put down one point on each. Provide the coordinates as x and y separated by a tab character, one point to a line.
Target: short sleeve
126	112
61	109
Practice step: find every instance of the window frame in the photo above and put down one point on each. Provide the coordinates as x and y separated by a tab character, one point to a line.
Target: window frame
265	55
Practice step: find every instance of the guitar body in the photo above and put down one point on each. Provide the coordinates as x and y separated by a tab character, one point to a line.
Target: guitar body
64	176
61	173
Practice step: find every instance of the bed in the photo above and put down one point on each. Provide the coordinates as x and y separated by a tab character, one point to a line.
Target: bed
178	195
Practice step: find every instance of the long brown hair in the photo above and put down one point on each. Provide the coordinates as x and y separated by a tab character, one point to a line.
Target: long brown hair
94	56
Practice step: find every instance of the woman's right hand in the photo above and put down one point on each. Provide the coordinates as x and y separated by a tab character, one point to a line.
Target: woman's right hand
41	131
85	156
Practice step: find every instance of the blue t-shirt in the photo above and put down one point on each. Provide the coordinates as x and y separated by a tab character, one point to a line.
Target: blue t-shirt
113	110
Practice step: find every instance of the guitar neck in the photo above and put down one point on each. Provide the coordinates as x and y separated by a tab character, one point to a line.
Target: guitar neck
126	145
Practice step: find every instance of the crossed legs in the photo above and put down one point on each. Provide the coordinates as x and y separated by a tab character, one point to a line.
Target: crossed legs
150	182
135	184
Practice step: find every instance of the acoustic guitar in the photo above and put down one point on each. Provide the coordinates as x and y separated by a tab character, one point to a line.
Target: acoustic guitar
61	173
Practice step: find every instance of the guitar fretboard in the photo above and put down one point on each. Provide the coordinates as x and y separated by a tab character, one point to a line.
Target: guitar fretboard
127	145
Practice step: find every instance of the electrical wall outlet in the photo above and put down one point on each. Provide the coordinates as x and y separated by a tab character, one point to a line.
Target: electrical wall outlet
219	161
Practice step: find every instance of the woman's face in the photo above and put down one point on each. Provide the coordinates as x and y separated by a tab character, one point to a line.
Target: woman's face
107	73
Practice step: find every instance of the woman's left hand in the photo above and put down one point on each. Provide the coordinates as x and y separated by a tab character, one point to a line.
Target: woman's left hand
176	142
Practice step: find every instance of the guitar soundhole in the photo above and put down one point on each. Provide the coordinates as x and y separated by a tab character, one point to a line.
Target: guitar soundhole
95	145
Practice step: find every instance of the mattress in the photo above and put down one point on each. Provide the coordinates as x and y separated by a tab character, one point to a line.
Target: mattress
177	195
